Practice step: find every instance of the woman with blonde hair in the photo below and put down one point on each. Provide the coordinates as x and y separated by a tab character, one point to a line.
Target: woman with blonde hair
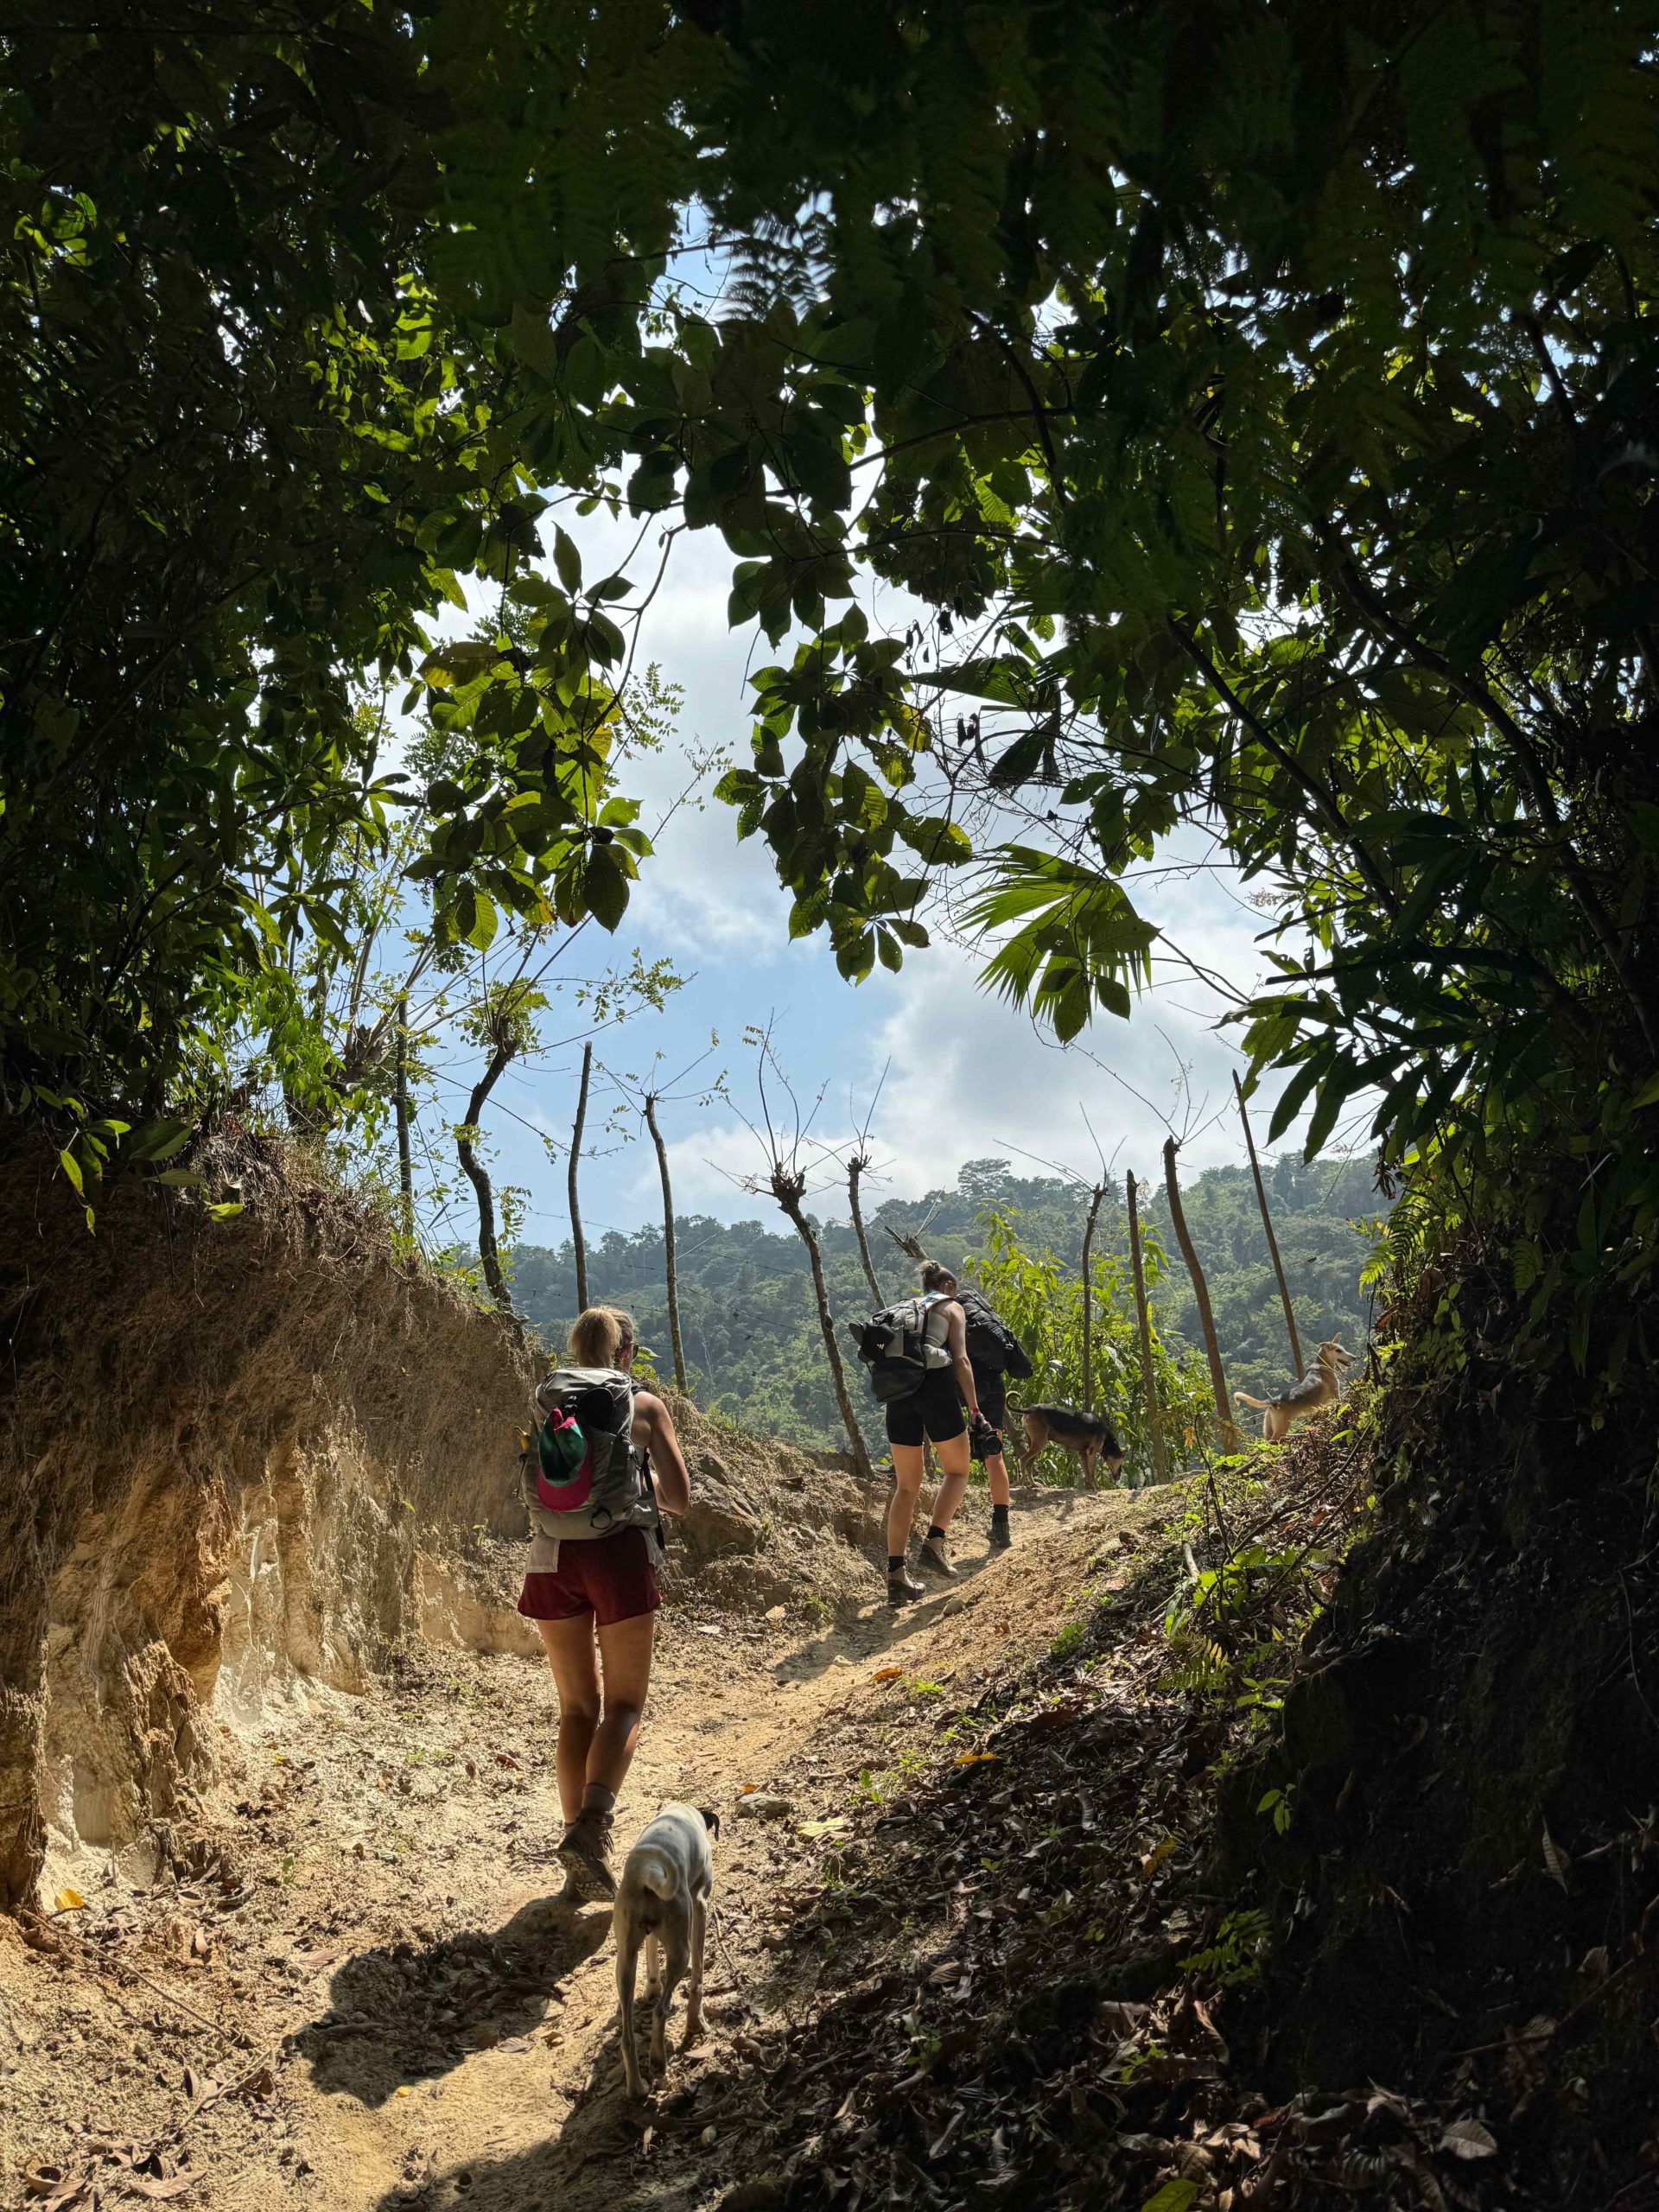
592	1587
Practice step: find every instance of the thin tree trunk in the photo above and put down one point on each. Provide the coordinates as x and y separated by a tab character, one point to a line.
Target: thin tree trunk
792	1206
1148	1383
668	1246
855	1169
1096	1196
1201	1294
1267	1224
405	1171
578	1240
479	1176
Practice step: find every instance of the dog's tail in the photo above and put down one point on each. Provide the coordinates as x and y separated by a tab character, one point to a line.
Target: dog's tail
652	1870
1245	1398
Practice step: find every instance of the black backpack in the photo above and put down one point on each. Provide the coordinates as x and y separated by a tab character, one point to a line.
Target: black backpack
896	1348
991	1344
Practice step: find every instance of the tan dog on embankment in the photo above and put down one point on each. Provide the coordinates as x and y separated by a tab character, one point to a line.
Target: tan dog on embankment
1319	1387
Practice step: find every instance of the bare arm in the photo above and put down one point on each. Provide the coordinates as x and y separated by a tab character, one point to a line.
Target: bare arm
653	1427
956	1343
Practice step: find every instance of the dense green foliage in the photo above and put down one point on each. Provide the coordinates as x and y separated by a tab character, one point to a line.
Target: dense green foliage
1258	401
751	1333
1263	398
287	308
1040	1298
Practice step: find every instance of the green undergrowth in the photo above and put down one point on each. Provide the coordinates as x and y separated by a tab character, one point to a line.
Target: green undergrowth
1315	1863
1125	1931
1013	1975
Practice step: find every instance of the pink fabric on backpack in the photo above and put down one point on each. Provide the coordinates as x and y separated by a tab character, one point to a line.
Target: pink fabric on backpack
566	1497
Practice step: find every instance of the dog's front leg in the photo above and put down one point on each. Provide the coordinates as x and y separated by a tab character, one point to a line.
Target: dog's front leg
693	1985
627	1960
656	2001
673	1974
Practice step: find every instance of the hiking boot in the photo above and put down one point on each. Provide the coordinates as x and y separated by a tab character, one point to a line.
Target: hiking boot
585	1854
903	1589
999	1535
931	1556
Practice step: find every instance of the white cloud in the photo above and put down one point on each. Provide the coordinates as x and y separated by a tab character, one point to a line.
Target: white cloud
970	1076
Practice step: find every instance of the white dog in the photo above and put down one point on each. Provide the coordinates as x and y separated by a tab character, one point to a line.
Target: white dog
662	1901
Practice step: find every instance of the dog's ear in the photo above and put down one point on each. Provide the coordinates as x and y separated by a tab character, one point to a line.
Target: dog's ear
710	1818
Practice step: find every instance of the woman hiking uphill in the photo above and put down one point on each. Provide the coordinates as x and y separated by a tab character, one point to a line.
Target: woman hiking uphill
993	1353
606	1465
933	1411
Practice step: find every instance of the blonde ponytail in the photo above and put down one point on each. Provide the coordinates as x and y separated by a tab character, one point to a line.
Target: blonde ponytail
598	1335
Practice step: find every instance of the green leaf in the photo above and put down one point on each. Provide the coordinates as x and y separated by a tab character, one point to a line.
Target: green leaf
460	663
1293	1096
1174	2197
566	560
480	928
160	1140
71	1167
1333	1094
604	887
937	838
533	341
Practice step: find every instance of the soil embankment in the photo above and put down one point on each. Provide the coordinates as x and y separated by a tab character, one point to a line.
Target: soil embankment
366	1993
268	1719
244	1463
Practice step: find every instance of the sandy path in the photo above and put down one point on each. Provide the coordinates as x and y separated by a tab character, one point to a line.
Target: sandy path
439	2026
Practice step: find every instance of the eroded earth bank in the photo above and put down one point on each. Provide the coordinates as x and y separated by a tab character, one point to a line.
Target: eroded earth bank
1283	1836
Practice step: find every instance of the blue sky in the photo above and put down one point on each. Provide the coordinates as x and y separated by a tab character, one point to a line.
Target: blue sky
967	1076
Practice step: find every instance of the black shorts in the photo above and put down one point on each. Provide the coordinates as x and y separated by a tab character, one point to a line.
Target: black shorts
993	1399
934	1411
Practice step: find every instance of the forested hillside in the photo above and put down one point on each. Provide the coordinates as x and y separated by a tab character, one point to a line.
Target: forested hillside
751	1334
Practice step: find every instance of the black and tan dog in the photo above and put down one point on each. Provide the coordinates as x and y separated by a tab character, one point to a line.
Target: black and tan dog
1085	1436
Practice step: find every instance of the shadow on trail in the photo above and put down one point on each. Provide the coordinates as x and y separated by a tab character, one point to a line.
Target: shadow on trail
887	1628
405	2013
604	2152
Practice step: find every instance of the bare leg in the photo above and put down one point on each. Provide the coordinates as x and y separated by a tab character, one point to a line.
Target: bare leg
906	1481
624	1666
569	1648
953	1470
996	1471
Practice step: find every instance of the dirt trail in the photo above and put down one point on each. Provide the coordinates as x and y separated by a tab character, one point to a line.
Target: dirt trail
370	1996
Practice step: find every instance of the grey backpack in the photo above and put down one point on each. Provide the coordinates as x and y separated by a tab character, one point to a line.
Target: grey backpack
583	1475
901	1346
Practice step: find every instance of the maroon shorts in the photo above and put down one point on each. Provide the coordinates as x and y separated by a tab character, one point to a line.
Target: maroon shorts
610	1577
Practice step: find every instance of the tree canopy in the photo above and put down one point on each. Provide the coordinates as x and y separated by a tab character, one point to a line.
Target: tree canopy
1254	405
286	307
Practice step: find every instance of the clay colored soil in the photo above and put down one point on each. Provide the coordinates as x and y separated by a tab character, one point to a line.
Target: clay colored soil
355	1985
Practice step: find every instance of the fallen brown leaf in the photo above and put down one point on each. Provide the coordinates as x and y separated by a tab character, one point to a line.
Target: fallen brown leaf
1467	2138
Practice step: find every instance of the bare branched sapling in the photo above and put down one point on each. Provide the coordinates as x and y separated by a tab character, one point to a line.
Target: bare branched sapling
784	1175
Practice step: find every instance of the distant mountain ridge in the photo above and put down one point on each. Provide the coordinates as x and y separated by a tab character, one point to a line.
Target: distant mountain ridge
751	1333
